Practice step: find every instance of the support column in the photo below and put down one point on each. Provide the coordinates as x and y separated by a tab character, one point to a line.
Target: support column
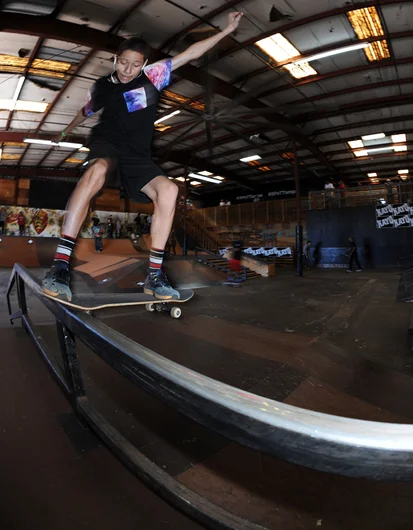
299	228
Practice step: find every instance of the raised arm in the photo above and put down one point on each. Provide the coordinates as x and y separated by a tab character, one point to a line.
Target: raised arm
198	49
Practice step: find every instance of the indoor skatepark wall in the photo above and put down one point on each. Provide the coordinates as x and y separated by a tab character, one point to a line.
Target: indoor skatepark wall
39	251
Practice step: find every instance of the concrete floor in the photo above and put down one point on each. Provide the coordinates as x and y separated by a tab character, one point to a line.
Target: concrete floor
330	341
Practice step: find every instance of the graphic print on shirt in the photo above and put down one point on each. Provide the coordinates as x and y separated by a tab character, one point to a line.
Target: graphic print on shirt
159	74
136	99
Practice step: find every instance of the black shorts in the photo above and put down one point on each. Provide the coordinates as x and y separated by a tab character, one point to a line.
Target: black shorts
128	171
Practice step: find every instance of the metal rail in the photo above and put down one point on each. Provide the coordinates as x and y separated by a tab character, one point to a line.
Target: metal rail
379	451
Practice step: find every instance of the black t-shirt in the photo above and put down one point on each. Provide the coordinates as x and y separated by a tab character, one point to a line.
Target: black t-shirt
353	246
129	109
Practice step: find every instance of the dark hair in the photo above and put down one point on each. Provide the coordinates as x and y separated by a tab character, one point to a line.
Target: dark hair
135	44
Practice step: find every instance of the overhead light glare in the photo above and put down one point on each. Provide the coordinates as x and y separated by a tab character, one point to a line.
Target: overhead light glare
74	160
219	178
361	153
398	138
181	179
403	171
329	53
372	175
167	116
28	106
195	183
300	70
278	47
205	173
201	177
366	23
84	149
400	148
250	158
356	144
1	151
373	136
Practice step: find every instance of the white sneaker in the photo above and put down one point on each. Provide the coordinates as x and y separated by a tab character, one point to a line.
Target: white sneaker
359	270
348	270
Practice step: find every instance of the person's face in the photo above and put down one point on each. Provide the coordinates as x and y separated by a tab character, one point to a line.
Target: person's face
129	65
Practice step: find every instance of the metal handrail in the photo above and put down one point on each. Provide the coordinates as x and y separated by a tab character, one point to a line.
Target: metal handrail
381	451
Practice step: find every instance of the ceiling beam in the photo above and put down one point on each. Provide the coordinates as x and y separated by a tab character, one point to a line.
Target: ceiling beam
321	49
361	125
338	73
309	20
360	106
60	30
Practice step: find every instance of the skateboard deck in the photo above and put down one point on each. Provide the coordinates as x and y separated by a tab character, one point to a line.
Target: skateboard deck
94	302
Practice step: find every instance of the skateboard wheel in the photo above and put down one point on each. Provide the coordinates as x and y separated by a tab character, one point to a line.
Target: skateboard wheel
176	312
149	307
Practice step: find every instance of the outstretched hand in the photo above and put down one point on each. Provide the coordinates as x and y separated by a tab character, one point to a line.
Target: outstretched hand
234	19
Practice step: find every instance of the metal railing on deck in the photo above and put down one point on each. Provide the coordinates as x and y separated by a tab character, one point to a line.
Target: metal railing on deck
281	211
285	210
346	446
395	193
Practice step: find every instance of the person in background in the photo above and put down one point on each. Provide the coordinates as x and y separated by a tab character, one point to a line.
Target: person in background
228	203
222	202
118	227
389	190
109	227
306	255
21	221
342	188
97	232
329	187
353	256
3	215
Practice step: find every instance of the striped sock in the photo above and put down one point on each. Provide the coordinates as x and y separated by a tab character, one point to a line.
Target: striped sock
155	260
64	251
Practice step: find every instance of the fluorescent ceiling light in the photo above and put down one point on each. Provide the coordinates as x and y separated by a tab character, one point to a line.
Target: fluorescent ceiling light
278	47
300	70
372	175
182	179
373	136
250	158
379	149
70	145
205	173
17	91
332	52
195	183
207	179
403	171
361	153
37	141
167	116
219	178
398	138
355	144
400	148
84	149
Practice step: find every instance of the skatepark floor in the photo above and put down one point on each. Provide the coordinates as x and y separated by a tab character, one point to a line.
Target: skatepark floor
331	342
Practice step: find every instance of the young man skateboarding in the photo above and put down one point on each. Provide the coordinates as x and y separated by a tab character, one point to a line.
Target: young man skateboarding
120	146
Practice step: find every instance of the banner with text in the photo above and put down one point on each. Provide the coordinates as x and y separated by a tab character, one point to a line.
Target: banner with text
394	216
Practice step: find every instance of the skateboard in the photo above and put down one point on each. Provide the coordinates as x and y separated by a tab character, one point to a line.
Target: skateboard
94	302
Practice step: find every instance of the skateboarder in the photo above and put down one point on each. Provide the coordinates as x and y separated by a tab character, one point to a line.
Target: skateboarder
120	147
